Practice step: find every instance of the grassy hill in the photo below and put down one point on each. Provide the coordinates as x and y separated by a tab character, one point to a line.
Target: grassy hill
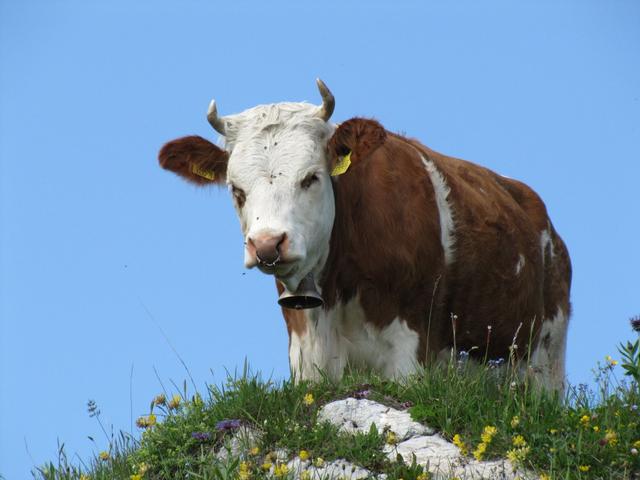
488	410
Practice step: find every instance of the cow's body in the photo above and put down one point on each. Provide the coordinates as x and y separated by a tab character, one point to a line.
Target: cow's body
424	253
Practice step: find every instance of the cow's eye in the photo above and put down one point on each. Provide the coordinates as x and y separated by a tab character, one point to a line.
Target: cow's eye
239	196
308	180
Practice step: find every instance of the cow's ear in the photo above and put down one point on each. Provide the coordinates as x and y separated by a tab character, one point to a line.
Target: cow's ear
353	141
195	159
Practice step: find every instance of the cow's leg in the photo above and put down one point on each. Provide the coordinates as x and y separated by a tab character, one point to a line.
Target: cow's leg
547	363
401	345
314	346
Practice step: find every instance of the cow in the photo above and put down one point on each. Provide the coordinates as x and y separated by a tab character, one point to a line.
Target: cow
414	253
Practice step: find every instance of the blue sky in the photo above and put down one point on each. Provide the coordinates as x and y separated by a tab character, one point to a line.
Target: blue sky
101	251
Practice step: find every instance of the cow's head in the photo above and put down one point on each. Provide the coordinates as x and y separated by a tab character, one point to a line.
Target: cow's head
277	168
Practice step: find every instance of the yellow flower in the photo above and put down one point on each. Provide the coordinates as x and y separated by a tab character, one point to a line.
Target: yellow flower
142	468
104	456
517	455
306	475
175	402
281	470
304	455
544	476
254	451
135	476
266	466
596	428
553	450
611	361
84	477
584	420
391	438
244	471
553	431
160	399
488	433
519	441
318	462
457	441
515	421
584	468
611	437
308	399
478	453
636	444
423	476
151	420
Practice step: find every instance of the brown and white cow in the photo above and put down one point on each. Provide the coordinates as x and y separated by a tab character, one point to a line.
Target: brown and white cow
409	246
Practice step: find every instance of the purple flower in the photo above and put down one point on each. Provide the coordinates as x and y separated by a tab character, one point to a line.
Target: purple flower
201	436
228	425
360	394
635	323
406	404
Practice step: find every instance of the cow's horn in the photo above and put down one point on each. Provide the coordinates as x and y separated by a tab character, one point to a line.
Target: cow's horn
216	122
306	295
328	101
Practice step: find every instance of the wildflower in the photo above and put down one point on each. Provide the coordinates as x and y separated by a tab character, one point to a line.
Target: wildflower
160	399
634	451
596	428
244	471
423	476
611	438
201	436
306	475
228	425
515	421
544	476
104	456
584	420
308	399
391	438
584	468
175	401
635	323
254	451
517	455
318	462
611	361
141	422
304	455
457	441
280	470
488	433
478	453
84	477
360	394
135	476
636	444
266	466
553	431
519	441
151	420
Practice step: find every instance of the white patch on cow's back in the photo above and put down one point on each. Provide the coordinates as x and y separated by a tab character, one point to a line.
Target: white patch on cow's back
341	336
445	211
520	264
548	358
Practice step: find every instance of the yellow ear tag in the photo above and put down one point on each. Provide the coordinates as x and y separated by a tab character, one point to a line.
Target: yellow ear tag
201	172
342	165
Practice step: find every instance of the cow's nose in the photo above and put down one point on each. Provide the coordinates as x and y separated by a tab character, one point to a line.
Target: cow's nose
267	248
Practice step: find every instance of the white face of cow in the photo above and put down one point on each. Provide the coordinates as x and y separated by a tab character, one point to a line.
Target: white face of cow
279	178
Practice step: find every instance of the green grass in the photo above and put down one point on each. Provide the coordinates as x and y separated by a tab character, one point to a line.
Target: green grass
588	434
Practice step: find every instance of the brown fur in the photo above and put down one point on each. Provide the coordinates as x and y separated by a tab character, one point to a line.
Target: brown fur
182	154
386	246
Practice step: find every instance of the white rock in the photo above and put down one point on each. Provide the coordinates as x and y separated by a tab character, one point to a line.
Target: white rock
432	449
241	441
357	415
